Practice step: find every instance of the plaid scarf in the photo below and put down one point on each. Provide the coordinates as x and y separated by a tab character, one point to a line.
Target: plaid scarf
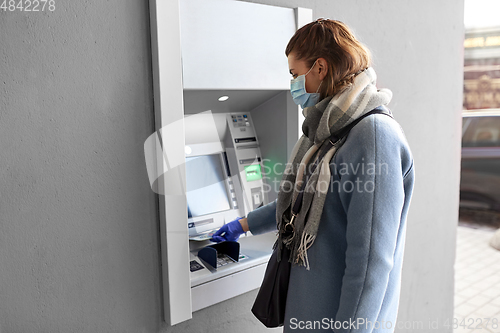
326	117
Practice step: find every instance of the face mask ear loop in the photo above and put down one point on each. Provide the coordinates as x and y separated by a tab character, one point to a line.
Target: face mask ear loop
319	86
310	71
311	67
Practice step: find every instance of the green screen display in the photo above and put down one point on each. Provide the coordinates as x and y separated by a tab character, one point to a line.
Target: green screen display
253	172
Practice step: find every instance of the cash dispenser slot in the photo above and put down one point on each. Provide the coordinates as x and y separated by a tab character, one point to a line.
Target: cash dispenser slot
250	160
245	140
250	146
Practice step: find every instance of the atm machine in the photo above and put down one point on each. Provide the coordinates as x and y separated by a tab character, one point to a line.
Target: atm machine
224	180
204	175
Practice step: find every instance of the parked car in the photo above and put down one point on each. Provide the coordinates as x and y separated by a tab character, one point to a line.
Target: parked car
480	175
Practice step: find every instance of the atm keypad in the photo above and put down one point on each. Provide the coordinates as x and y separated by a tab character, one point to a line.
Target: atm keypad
223	259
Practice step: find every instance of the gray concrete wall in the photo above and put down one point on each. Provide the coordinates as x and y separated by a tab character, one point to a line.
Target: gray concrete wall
79	239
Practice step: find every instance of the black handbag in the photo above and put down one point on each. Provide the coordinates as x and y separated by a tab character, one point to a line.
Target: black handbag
270	303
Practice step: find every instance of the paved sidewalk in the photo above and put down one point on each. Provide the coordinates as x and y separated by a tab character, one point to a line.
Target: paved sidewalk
477	282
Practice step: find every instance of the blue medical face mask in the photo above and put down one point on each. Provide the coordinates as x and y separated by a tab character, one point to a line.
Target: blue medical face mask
300	95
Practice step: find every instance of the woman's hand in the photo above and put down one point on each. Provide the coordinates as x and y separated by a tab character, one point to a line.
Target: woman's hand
231	231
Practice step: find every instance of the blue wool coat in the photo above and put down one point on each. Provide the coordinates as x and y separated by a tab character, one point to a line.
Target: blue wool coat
354	280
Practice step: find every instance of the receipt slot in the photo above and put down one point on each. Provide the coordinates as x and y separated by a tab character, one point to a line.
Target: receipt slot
210	175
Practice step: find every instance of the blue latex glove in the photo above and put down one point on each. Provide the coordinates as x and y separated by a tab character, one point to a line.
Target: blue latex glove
228	232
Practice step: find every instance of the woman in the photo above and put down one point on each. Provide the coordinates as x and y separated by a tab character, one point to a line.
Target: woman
348	245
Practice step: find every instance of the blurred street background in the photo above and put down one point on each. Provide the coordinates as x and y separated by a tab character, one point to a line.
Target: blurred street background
477	264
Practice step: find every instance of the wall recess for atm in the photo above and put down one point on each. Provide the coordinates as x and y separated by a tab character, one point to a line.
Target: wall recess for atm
203	50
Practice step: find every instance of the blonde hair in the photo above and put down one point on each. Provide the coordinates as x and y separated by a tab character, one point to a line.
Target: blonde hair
333	41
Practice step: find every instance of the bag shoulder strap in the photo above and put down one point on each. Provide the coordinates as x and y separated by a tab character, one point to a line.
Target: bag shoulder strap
345	130
334	138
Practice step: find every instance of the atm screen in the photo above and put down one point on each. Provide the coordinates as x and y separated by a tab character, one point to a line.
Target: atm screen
205	181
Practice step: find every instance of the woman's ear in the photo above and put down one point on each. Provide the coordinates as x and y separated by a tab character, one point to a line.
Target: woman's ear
323	68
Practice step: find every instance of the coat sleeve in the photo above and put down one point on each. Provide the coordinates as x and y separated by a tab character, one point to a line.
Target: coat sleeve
262	219
371	171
